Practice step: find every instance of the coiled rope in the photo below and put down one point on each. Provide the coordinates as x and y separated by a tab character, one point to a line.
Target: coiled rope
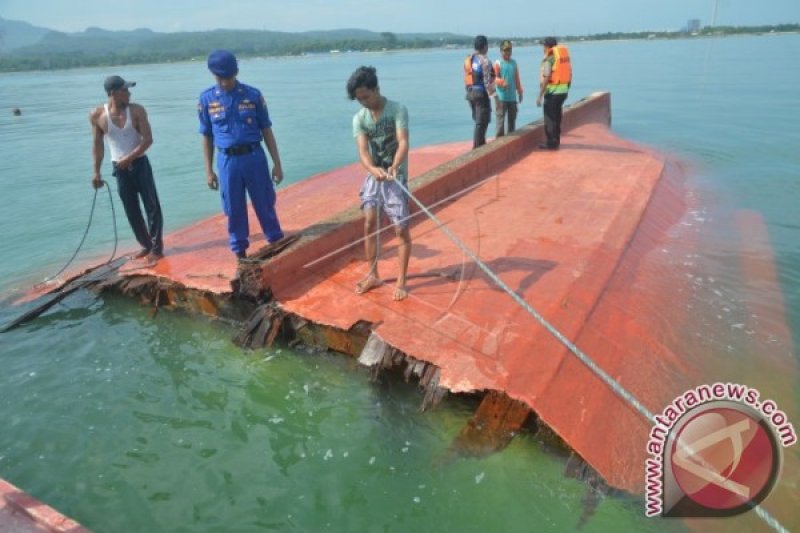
86	232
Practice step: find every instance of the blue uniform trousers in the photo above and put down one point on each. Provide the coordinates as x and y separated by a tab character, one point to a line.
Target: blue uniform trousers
247	173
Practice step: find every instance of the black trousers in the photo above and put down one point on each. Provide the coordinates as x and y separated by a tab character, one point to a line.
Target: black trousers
553	106
134	183
502	110
481	114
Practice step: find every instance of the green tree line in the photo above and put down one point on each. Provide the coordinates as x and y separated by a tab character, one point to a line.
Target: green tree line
59	51
106	48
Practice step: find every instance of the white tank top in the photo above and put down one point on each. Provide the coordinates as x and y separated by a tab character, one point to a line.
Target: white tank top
121	141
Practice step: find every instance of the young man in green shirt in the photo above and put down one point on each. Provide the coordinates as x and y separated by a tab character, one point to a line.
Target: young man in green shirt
380	128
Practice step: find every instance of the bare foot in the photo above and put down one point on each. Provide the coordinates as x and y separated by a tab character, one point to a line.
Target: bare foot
367	284
400	293
141	253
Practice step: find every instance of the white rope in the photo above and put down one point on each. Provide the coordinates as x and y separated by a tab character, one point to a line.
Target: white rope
374	266
583	357
362	239
771	521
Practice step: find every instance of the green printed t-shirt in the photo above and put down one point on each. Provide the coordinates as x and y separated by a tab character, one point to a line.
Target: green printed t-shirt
382	135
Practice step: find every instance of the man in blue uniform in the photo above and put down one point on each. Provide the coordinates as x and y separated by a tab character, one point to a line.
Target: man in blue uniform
233	120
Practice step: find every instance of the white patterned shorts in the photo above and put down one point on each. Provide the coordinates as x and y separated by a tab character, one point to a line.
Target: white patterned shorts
386	195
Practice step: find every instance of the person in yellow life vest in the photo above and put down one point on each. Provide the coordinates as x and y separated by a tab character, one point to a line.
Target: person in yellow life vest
556	78
480	86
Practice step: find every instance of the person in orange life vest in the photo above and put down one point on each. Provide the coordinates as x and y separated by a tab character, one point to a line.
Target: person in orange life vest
126	128
479	83
555	81
508	87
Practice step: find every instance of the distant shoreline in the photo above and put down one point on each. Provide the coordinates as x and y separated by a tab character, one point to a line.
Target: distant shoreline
99	48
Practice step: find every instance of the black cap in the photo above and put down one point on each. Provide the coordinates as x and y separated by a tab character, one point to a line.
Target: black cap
549	41
113	83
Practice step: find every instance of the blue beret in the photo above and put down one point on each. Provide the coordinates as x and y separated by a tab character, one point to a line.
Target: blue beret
223	64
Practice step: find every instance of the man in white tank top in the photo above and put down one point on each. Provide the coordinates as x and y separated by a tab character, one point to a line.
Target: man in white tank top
125	126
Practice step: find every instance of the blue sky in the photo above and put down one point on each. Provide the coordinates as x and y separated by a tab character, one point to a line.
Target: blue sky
495	18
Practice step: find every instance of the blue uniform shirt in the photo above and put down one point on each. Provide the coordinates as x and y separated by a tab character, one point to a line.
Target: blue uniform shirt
235	117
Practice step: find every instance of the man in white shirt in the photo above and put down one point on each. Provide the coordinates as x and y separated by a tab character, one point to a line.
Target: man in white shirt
125	126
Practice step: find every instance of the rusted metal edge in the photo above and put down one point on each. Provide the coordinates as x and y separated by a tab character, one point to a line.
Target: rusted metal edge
496	421
261	319
161	293
87	279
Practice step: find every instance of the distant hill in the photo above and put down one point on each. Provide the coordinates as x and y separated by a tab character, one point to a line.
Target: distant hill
15	34
27	47
45	49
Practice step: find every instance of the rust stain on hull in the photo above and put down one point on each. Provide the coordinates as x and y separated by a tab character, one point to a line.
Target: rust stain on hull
22	513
